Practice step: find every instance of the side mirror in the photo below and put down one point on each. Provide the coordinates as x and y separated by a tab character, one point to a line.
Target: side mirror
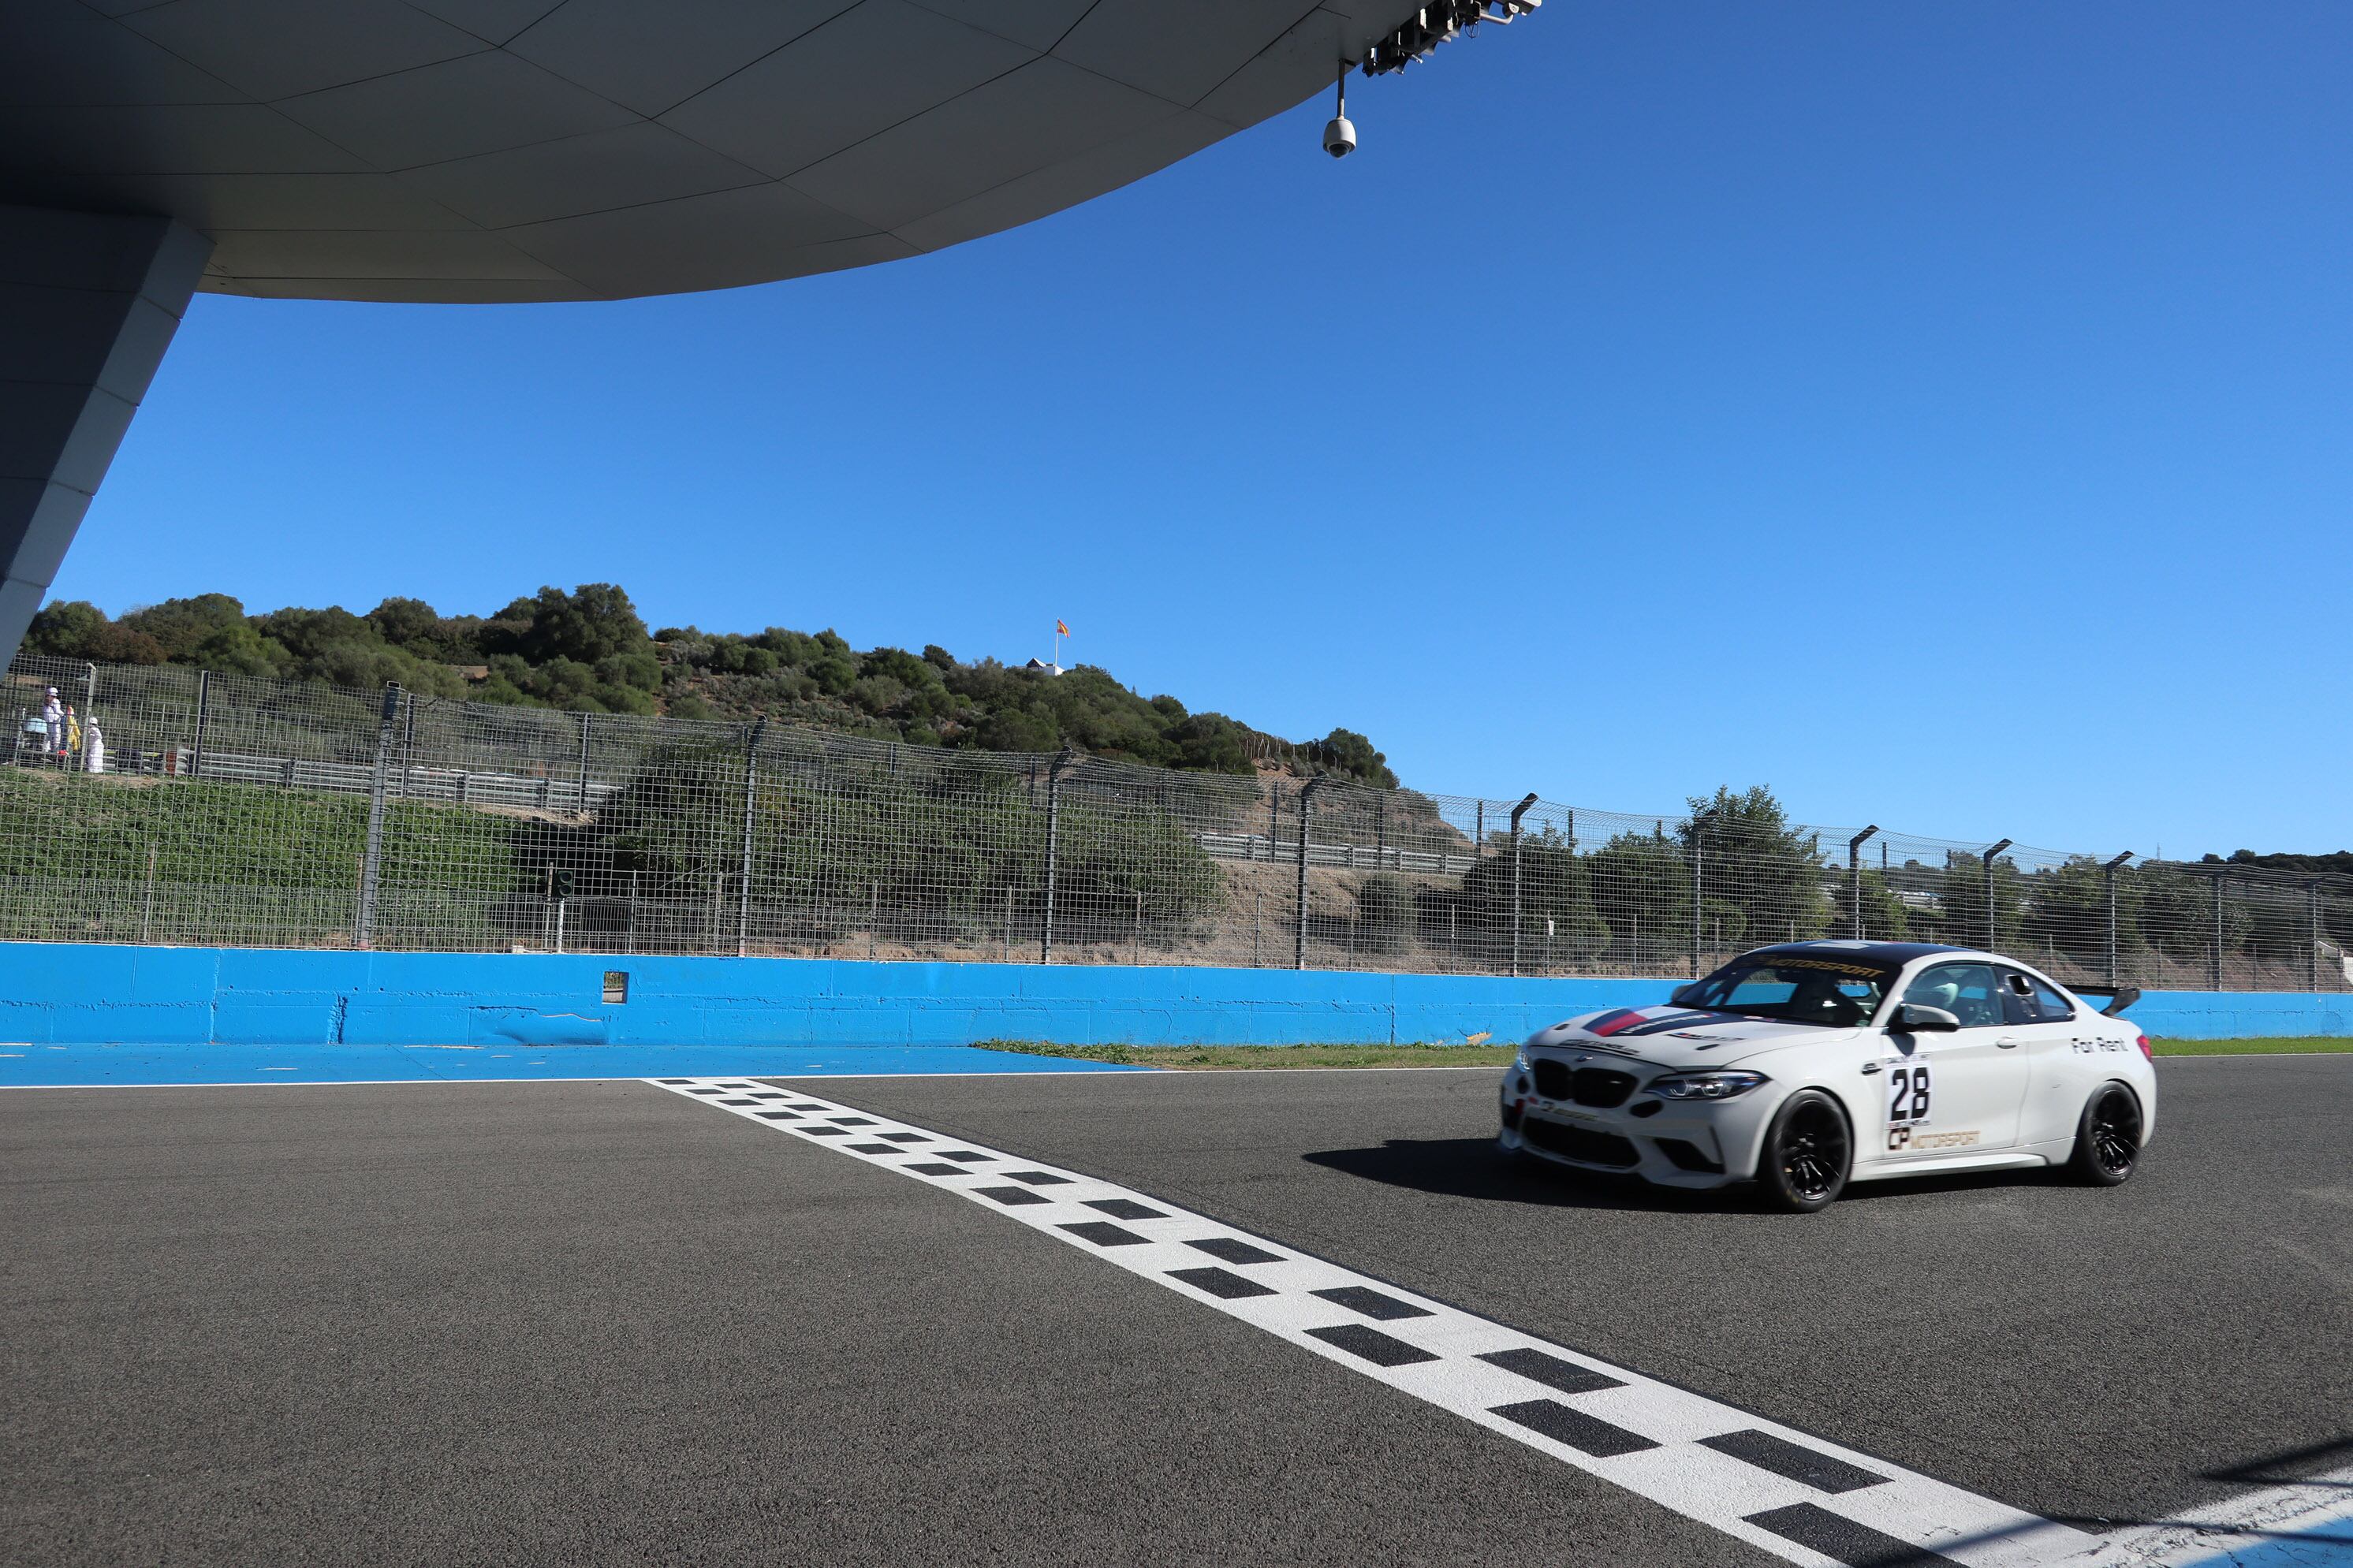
1682	995
1914	1017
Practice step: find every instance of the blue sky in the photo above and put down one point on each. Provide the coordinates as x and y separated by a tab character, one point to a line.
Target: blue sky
1943	414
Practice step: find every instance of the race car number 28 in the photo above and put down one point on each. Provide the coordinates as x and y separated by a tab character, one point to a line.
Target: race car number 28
1907	1094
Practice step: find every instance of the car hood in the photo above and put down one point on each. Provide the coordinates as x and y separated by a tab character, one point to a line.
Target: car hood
1679	1036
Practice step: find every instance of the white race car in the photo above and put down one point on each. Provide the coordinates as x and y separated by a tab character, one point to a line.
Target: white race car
1810	1065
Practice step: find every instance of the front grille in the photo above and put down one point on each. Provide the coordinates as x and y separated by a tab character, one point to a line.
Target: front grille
1600	1087
1579	1143
1604	1089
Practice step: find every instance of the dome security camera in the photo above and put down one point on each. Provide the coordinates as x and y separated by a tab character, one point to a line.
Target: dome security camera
1340	137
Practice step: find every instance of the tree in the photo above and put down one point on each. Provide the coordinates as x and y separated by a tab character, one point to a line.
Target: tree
75	628
1557	914
588	649
180	625
592	622
1762	880
1644	882
1345	751
406	623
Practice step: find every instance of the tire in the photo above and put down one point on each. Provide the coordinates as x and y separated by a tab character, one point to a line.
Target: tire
2107	1138
1808	1155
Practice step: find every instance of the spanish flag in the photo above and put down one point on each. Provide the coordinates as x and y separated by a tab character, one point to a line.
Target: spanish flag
1061	629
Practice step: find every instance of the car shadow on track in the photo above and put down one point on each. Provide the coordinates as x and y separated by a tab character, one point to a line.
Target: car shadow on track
1475	1168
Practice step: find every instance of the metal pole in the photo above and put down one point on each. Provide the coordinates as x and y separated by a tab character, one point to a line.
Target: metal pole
750	791
1517	811
88	712
1053	834
204	700
371	867
1258	903
1993	930
2110	869
2312	944
1135	934
1299	926
1380	831
1273	824
407	740
2218	935
1699	886
1008	957
873	916
633	911
583	763
1854	875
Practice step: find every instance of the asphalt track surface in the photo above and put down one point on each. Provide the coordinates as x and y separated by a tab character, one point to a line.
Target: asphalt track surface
572	1323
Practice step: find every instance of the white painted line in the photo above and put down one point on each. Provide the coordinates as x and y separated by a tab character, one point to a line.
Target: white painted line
2304	1524
1795	1496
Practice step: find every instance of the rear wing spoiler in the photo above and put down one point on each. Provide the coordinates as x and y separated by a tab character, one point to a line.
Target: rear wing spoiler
2119	997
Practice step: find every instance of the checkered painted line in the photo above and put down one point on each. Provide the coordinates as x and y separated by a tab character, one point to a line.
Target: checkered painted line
1790	1494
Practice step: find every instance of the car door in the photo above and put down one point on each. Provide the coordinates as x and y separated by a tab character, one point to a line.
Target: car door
2041	1029
1953	1092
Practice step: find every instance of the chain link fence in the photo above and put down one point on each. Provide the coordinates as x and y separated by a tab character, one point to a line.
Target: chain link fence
182	807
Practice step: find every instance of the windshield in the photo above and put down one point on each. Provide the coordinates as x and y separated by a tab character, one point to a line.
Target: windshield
1834	992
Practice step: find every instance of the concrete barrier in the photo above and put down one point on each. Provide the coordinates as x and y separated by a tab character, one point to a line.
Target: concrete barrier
94	993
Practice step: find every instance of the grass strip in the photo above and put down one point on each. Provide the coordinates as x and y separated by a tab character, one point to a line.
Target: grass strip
1266	1057
2280	1044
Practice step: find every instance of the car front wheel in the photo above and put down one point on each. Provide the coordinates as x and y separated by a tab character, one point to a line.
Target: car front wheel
1806	1155
2107	1139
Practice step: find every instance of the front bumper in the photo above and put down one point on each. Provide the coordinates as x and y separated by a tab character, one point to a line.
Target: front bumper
1675	1143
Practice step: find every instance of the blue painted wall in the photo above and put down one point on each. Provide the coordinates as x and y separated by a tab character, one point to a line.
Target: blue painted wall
71	993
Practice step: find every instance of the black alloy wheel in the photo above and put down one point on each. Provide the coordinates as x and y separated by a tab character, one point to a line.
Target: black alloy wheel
1808	1154
2107	1140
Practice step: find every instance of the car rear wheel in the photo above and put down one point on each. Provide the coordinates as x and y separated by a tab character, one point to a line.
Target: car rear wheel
1806	1155
2107	1139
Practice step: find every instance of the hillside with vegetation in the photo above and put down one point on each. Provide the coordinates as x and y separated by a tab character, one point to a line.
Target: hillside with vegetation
589	650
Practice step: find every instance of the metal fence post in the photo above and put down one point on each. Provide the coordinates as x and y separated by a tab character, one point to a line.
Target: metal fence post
204	700
750	791
2311	936
2110	869
1306	812
407	740
585	720
2218	934
1273	819
1053	836
1993	930
372	863
1699	886
1855	877
1517	811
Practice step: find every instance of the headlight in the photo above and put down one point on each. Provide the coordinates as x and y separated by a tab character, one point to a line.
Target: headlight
1704	1085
